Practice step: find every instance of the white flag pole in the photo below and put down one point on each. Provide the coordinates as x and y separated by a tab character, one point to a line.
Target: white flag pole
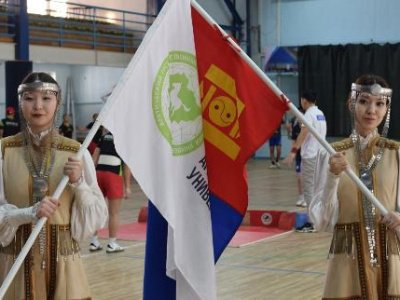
349	170
292	107
57	193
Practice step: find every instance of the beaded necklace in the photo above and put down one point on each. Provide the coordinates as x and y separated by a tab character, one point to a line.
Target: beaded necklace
40	164
369	210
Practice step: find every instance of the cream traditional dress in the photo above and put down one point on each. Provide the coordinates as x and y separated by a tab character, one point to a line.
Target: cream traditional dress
338	207
53	269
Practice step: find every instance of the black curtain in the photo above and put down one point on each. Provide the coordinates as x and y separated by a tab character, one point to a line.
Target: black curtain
330	70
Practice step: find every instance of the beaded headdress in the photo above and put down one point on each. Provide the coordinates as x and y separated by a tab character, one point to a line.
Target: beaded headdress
375	90
39	85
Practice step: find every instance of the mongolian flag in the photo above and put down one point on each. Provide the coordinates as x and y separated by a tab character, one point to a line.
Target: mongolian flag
190	113
240	112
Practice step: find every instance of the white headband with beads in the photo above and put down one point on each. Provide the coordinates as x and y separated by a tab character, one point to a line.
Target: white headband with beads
38	86
374	89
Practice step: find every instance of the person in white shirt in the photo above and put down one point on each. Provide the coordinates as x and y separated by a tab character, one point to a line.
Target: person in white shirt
309	147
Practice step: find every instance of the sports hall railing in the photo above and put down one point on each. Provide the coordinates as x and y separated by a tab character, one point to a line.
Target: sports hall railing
7	27
68	24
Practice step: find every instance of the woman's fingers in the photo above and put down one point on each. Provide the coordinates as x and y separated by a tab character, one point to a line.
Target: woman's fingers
392	220
338	162
47	207
73	169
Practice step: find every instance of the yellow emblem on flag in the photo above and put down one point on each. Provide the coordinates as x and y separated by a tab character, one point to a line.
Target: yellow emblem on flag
222	107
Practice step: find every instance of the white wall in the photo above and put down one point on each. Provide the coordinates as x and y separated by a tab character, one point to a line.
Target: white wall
305	22
58	55
89	83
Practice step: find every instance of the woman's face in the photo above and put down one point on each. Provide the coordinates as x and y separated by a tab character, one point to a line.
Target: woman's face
369	113
38	108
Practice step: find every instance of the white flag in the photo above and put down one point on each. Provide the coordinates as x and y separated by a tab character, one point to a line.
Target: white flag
155	116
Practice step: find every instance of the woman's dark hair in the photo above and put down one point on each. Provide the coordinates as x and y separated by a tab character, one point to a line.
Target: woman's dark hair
370	79
39	76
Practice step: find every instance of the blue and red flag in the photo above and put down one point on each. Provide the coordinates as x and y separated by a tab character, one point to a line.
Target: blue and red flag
240	112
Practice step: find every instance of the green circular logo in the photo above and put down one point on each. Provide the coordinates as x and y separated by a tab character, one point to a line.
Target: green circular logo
176	102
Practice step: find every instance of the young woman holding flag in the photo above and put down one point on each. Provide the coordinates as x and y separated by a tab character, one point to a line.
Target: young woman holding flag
364	257
32	164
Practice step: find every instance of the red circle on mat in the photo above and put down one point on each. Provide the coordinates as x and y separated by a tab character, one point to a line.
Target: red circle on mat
266	218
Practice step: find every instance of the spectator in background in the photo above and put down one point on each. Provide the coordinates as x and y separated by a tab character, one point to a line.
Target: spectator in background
93	143
309	147
275	142
9	125
66	129
114	181
294	128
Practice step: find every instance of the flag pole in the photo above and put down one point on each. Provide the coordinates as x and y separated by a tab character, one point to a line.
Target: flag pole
292	107
42	221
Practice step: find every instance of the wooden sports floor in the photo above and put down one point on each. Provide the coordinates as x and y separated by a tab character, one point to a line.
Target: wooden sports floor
289	267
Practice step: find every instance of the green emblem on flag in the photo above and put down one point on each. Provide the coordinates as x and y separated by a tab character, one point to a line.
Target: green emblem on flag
176	102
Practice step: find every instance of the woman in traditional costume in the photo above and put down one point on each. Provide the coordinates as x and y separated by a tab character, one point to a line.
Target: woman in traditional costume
363	261
32	164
